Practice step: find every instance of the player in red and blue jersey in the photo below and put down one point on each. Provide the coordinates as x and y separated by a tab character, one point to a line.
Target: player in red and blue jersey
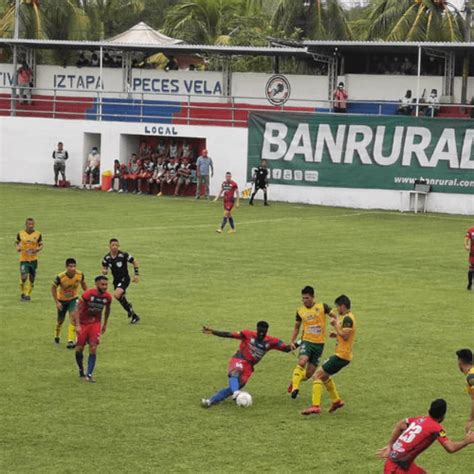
88	322
412	436
469	246
253	346
230	190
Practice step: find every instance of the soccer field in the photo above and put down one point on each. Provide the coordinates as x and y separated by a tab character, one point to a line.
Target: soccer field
405	274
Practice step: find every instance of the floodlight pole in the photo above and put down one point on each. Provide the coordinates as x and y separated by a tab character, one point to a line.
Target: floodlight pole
418	79
467	39
15	58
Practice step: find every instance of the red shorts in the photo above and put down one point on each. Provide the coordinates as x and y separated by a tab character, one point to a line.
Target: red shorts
393	468
228	205
243	367
90	333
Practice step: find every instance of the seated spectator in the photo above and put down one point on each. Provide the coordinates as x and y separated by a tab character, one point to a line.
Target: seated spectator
173	151
115	176
123	172
159	175
94	60
184	176
406	104
187	151
82	61
340	97
172	64
108	61
144	175
406	67
433	104
162	149
132	173
92	171
24	78
173	167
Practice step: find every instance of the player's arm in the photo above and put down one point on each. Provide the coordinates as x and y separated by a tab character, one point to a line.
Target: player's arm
467	243
214	332
399	428
219	195
105	267
470	383
280	345
237	200
296	331
54	293
75	317
136	268
345	329
83	283
106	318
454	446
18	243
40	245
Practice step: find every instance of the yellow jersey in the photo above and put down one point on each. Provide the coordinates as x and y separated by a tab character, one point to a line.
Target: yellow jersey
344	347
314	322
470	382
67	288
28	242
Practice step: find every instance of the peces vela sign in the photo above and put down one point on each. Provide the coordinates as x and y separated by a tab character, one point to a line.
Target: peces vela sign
351	151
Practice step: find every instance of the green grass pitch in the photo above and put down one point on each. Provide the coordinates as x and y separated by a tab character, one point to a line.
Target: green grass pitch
406	276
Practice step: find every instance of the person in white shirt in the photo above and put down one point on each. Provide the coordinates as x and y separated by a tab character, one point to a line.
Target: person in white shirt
433	104
60	155
91	173
406	104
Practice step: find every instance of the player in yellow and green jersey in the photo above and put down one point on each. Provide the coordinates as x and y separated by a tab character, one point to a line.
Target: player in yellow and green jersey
65	291
344	325
312	316
29	243
465	361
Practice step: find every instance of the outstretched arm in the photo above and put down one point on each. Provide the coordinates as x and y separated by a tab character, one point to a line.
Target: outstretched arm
400	427
214	332
454	446
467	243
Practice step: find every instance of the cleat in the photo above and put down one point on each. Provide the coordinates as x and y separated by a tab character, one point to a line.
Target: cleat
231	231
81	375
336	405
56	340
290	387
159	194
469	286
135	319
250	203
294	394
70	345
266	204
89	378
197	197
27	298
120	190
111	190
22	298
312	410
219	231
205	402
235	394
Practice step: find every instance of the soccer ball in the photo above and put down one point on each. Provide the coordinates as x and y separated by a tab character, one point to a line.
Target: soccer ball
244	400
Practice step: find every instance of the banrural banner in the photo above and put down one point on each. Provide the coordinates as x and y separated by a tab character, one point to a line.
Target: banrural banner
351	151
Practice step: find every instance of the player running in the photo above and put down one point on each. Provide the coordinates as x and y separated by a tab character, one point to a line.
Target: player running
465	366
344	331
118	262
312	316
88	322
230	190
412	436
253	346
469	246
29	243
260	179
65	290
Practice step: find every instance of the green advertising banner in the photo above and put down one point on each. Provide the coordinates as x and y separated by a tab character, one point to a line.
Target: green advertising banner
360	151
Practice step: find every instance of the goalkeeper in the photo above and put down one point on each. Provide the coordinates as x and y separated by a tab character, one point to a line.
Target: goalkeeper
260	179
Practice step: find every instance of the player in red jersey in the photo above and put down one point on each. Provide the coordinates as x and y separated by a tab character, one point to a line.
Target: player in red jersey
87	319
231	195
469	246
253	346
412	436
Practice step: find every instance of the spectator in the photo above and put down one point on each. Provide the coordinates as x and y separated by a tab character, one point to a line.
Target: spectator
122	176
173	167
94	60
340	97
172	64
162	149
60	155
184	176
204	170
132	173
108	61
406	104
25	83
407	66
433	104
116	176
187	150
92	171
144	175
82	61
159	175
173	150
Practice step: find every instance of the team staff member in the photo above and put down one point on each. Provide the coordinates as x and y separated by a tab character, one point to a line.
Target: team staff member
312	316
412	436
88	323
29	243
465	366
65	290
469	246
118	262
260	178
230	190
344	331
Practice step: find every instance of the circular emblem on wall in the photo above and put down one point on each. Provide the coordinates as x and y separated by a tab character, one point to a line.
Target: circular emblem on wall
278	90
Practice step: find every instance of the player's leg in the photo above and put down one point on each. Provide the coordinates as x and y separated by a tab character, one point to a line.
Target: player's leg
71	330
59	321
298	372
234	371
252	196
317	393
231	219
331	367
79	352
470	273
23	280
32	266
265	196
119	295
224	221
94	341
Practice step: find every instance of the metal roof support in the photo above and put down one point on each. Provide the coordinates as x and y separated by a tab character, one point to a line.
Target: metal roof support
332	64
127	72
418	82
448	77
227	76
276	64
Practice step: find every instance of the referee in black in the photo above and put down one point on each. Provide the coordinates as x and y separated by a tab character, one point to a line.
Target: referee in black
260	179
118	262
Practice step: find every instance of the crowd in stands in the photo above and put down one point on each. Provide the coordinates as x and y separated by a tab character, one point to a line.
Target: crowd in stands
428	107
153	168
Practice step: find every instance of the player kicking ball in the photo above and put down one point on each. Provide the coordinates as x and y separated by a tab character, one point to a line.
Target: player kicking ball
253	346
230	190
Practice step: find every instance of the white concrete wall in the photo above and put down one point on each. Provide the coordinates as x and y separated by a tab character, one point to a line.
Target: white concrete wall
227	146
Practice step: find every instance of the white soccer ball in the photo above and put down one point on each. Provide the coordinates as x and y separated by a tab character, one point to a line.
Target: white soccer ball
244	400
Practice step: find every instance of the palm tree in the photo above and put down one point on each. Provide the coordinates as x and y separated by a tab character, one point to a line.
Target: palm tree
414	20
312	19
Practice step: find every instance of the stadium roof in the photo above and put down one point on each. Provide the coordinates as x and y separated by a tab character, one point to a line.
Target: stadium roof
142	33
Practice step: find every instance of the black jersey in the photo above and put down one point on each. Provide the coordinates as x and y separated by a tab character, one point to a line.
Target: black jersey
118	265
261	176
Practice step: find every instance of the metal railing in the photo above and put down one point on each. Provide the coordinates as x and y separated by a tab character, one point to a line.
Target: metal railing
190	109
